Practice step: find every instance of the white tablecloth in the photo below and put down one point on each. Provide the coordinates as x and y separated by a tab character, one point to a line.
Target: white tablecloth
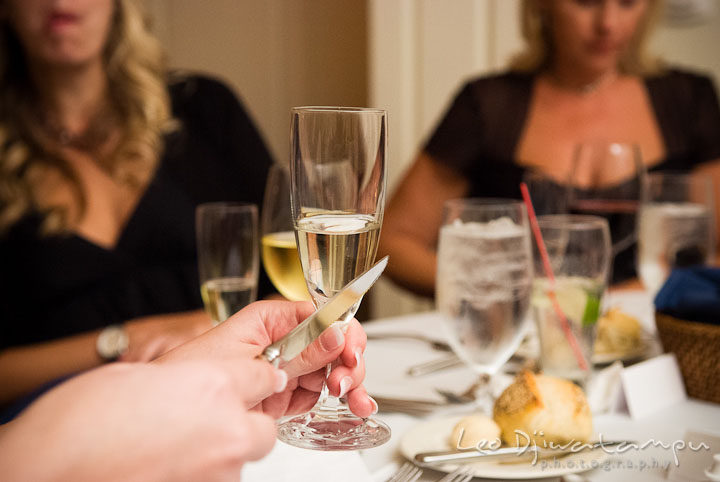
387	361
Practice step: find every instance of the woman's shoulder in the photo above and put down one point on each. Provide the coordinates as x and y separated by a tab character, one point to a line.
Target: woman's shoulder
498	85
189	89
676	81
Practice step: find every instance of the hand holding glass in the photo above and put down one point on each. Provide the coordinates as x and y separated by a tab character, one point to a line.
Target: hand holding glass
338	192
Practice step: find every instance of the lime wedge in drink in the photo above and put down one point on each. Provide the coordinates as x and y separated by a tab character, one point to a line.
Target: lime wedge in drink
578	304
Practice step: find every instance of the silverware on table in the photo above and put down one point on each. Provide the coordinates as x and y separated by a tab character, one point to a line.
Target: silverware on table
520	454
434	344
293	343
407	473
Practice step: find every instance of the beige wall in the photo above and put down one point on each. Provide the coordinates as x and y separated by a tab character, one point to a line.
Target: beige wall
276	53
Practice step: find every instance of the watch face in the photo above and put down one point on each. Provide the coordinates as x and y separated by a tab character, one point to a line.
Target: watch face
112	342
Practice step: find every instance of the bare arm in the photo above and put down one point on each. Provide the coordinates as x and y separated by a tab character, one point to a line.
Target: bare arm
25	368
412	221
712	170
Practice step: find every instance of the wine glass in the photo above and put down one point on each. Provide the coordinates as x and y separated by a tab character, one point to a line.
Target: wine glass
279	248
484	279
675	226
227	247
338	177
608	179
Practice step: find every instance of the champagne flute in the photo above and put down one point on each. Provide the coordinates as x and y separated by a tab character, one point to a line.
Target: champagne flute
608	179
338	177
227	257
279	248
484	279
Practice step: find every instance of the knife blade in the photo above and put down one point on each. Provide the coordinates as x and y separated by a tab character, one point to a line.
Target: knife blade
293	343
516	454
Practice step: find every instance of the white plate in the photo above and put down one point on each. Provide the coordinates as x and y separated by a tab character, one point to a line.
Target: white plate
434	434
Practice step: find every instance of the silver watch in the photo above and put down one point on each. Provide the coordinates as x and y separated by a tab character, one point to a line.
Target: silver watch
112	342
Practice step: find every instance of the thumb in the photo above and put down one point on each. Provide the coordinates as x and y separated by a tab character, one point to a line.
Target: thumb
322	351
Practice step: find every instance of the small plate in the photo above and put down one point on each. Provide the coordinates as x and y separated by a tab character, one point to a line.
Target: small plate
434	434
640	351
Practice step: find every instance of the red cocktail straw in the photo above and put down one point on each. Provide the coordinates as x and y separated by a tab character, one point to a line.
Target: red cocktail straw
565	325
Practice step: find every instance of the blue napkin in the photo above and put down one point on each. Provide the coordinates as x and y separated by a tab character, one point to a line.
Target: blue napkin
691	294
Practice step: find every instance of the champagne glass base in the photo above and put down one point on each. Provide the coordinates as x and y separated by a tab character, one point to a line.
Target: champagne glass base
333	430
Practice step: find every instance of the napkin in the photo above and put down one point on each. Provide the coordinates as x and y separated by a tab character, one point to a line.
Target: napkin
691	294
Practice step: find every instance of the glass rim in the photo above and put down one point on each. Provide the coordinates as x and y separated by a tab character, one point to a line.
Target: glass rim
330	108
227	205
572	221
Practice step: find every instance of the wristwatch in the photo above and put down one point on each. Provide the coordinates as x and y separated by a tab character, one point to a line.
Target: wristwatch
112	342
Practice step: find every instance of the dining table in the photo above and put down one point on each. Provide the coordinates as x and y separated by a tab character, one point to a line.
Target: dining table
421	410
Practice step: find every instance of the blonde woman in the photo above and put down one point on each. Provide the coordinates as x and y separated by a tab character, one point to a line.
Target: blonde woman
102	162
584	75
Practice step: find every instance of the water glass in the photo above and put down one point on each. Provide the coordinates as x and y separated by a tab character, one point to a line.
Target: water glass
227	245
567	291
484	278
675	226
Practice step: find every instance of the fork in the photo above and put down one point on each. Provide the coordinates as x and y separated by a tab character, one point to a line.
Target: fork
407	473
461	474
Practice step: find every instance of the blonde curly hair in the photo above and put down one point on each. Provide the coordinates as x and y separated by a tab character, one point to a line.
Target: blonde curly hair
537	53
136	74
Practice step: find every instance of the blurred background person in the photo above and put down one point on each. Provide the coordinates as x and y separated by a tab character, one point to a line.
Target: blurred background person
103	159
584	75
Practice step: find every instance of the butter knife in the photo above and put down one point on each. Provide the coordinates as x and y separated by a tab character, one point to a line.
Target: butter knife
519	454
292	344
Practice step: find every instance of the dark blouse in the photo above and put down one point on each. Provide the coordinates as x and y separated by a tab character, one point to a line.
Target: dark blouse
56	286
479	133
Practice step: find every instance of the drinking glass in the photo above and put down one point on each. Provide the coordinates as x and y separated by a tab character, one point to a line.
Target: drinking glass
279	248
484	276
608	179
549	195
227	247
567	294
338	172
675	226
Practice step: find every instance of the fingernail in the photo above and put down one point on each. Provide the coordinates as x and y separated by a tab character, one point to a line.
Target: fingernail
345	385
358	356
281	381
374	404
332	338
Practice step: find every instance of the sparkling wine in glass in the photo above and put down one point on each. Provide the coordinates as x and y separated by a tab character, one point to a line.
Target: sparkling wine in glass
484	279
338	177
279	247
227	257
608	179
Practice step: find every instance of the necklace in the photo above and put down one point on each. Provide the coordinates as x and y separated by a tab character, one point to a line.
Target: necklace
91	139
586	89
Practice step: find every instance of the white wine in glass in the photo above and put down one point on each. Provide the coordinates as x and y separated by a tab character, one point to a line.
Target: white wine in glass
227	257
279	247
338	194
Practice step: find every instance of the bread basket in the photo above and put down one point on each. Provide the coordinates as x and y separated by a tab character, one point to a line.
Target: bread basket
697	348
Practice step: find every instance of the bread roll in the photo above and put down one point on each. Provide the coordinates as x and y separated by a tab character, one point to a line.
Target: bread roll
542	409
472	430
617	332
